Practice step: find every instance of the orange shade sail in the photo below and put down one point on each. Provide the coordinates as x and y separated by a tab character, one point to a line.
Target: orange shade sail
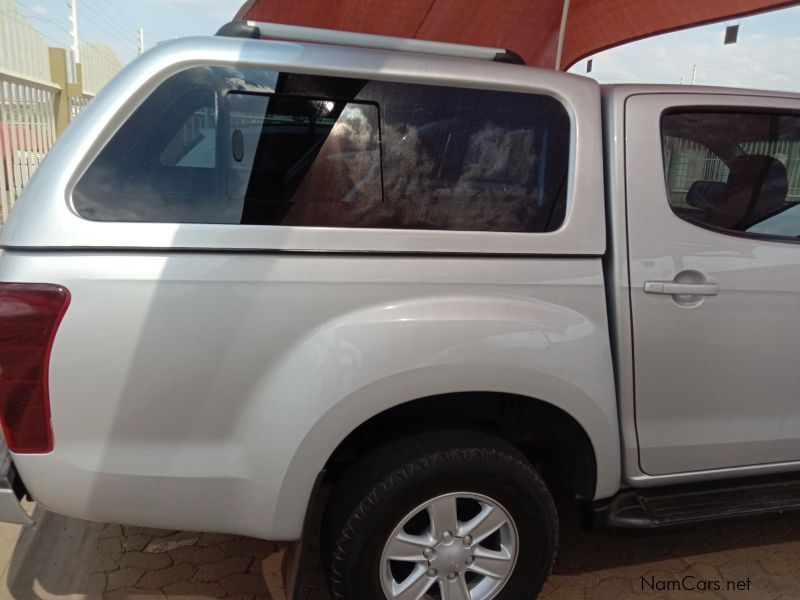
531	28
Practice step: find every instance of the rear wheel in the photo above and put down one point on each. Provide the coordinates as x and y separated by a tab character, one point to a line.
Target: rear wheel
441	516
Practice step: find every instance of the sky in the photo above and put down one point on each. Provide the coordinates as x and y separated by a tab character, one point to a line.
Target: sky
766	56
116	22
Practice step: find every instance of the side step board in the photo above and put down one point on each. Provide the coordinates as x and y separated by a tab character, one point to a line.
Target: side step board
655	509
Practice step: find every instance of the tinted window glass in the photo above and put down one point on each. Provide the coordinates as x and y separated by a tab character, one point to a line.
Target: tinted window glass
471	159
303	161
194	145
734	171
158	167
218	145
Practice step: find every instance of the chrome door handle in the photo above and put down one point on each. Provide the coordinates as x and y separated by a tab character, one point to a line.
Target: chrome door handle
670	288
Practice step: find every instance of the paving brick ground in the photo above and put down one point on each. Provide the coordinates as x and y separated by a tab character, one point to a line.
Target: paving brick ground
67	558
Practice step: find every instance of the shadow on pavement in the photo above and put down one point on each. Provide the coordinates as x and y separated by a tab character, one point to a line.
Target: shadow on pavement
61	556
606	566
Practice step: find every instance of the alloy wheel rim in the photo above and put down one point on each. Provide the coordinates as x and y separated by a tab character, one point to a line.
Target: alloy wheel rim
457	546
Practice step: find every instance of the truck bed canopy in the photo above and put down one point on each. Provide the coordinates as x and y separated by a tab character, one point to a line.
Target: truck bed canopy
545	33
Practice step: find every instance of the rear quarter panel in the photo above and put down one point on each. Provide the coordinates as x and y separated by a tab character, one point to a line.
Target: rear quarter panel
206	391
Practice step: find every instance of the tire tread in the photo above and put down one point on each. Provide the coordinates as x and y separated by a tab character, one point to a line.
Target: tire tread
362	488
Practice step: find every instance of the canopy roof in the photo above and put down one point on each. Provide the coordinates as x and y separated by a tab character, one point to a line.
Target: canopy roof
531	28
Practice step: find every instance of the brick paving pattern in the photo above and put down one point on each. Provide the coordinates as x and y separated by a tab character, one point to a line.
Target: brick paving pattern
63	557
67	558
132	560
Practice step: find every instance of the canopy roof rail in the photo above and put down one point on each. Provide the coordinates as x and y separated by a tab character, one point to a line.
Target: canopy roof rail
296	33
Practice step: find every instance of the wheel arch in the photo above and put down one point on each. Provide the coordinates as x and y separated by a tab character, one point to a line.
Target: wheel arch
540	430
589	422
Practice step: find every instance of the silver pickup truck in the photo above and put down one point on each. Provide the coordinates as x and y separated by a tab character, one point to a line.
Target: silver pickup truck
434	283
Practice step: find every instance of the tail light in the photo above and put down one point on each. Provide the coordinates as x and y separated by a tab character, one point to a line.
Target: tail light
29	317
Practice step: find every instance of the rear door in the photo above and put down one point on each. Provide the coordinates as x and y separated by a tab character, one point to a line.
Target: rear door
713	205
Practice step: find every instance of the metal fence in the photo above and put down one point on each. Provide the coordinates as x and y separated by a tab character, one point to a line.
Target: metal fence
99	64
76	105
27	131
27	123
38	97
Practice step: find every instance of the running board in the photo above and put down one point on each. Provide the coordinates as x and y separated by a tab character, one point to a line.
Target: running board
654	509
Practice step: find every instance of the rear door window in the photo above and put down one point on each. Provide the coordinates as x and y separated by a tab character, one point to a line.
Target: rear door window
737	172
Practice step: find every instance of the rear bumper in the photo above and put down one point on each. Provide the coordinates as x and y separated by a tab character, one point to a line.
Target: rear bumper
11	490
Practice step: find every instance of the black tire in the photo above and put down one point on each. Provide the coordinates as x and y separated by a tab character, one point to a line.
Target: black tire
379	490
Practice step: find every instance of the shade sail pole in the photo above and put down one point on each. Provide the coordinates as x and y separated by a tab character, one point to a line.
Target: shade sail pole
561	32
